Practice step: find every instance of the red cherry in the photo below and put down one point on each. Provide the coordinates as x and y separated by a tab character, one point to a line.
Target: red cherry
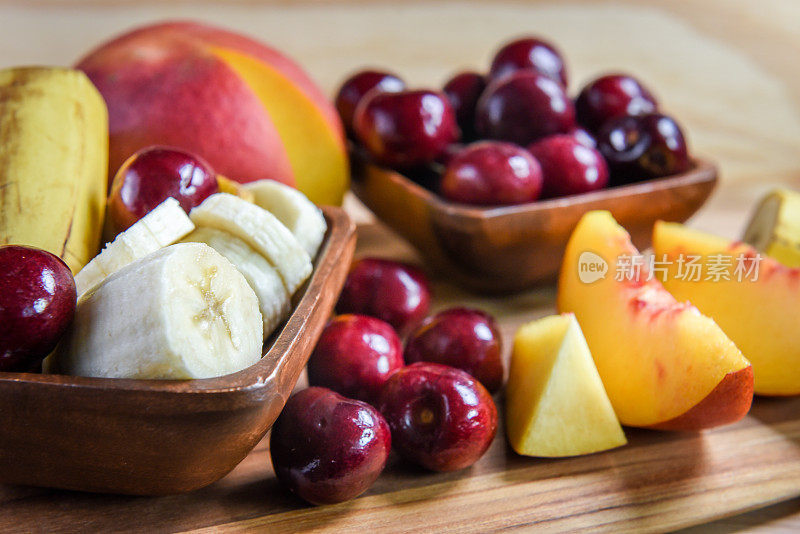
151	176
529	53
326	448
355	356
391	291
37	304
612	96
405	129
569	167
492	173
463	338
441	418
357	86
523	107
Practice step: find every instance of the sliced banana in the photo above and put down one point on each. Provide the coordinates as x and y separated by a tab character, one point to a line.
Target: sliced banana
775	227
164	225
259	229
273	299
181	312
291	207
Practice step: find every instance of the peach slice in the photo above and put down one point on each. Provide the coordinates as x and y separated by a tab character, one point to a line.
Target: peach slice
555	402
756	302
663	363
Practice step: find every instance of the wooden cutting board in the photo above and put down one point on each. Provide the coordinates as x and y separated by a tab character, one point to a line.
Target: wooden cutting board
726	68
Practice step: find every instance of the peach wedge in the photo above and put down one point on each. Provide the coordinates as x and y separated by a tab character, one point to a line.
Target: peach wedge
755	301
663	364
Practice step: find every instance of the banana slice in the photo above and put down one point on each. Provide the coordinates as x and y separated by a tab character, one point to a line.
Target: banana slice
291	207
181	312
164	225
775	227
273	299
259	229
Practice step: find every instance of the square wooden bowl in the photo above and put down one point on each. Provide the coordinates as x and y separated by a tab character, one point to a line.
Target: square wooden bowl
511	248
154	437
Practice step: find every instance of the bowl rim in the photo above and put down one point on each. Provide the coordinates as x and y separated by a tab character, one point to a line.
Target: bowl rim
702	171
340	230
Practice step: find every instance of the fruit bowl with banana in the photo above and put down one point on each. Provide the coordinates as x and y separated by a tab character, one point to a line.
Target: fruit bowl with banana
169	354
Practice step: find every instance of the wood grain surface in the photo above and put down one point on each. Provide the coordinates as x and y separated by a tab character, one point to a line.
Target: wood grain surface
726	68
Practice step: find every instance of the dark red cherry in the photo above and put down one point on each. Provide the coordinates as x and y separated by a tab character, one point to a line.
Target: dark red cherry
523	107
612	96
326	448
357	86
37	304
530	53
441	417
405	129
464	90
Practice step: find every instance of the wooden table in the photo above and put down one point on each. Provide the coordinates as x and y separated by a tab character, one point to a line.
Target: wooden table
725	68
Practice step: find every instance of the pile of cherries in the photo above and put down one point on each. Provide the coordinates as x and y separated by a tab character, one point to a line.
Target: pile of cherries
431	402
514	135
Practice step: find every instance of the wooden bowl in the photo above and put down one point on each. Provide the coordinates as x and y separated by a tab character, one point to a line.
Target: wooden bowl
153	437
511	248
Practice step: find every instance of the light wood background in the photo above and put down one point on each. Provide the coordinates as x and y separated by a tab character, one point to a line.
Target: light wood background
727	69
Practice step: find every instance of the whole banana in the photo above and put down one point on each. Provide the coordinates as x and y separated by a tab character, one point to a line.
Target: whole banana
53	162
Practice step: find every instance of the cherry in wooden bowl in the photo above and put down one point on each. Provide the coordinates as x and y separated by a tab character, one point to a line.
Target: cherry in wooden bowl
156	437
512	248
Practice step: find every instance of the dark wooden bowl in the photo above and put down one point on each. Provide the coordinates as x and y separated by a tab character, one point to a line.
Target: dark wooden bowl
507	249
153	437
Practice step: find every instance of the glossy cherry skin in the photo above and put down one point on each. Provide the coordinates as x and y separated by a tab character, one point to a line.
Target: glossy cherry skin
405	129
492	173
569	167
394	292
37	304
583	137
151	176
355	356
530	53
647	146
464	90
357	86
441	418
326	448
523	107
612	96
463	338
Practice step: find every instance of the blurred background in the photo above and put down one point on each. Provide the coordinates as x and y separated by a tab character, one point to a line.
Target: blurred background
727	69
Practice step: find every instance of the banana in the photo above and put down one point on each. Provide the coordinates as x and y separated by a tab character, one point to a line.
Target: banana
182	312
53	162
775	227
273	299
164	225
259	229
291	207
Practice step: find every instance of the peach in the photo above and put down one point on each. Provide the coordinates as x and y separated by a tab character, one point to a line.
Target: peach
757	310
248	110
663	363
